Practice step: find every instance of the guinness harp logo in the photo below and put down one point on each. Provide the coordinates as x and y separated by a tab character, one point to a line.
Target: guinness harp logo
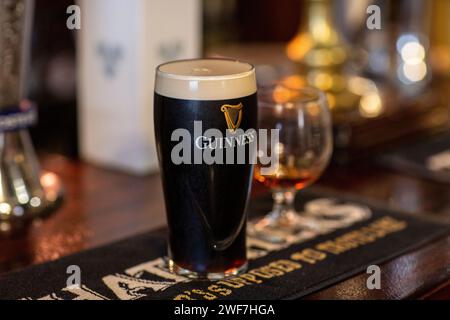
233	115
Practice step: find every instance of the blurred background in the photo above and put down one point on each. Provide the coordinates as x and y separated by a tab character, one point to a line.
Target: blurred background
384	64
386	75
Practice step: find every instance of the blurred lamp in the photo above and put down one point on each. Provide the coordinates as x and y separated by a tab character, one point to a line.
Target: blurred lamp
23	196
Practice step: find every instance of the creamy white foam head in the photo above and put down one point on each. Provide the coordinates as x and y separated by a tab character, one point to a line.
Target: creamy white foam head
205	79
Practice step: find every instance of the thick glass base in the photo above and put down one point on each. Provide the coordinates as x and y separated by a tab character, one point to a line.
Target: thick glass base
174	268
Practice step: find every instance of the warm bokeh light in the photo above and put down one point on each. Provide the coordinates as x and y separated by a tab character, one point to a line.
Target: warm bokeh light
413	67
5	208
294	81
52	185
298	47
415	72
281	94
35	202
320	79
371	105
48	179
313	109
361	86
412	53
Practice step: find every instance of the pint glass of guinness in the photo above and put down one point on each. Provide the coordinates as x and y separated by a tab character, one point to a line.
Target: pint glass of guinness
205	113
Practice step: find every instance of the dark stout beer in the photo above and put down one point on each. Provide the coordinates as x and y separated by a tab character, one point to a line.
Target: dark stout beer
206	201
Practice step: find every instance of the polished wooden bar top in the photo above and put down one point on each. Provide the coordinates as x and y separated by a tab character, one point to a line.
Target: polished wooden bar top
102	205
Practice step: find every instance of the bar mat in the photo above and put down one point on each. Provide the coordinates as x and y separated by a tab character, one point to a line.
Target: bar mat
428	158
350	235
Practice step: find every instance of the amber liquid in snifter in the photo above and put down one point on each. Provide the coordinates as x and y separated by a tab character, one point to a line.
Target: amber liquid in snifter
286	177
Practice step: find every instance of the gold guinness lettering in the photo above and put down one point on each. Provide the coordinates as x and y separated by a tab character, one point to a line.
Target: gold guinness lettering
133	285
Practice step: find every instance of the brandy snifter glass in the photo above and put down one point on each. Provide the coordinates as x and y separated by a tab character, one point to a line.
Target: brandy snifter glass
303	148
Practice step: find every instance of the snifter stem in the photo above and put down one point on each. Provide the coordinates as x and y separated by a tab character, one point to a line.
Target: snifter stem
283	213
283	221
283	203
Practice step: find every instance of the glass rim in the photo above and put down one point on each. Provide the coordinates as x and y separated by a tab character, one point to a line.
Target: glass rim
233	76
315	94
